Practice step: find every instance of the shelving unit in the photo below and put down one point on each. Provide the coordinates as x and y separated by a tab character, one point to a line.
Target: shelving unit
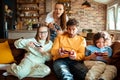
30	11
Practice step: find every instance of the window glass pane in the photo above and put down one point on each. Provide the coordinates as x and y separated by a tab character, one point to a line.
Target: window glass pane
118	19
111	19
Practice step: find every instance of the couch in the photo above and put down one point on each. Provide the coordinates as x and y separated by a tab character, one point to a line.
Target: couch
19	54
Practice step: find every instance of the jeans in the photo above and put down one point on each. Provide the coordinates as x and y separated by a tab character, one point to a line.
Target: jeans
67	69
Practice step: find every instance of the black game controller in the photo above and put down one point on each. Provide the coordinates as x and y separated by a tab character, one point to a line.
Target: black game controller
57	26
37	45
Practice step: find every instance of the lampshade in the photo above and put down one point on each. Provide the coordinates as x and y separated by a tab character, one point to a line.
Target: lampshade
86	4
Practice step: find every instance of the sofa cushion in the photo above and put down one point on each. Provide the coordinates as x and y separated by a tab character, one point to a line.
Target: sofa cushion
115	60
115	47
17	53
5	53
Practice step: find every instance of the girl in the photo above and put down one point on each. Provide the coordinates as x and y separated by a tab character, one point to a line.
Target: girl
32	65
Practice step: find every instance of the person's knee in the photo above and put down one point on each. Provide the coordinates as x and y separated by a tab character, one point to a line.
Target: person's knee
58	64
47	70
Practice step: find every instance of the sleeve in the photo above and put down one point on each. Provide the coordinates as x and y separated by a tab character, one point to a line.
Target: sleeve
21	43
47	49
48	56
49	18
81	51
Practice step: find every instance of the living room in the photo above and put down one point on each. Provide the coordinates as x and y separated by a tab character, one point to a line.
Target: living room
97	17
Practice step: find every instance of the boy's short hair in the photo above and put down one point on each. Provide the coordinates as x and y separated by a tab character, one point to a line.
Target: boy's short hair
97	36
72	22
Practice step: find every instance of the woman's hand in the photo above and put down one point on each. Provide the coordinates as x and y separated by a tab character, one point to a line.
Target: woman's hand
50	25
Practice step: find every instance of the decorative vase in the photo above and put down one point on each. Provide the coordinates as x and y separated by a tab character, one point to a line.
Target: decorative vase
29	27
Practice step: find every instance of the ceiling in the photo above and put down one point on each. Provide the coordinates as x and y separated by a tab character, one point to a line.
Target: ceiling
103	1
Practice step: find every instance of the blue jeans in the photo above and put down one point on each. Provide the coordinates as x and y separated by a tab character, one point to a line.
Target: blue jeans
67	69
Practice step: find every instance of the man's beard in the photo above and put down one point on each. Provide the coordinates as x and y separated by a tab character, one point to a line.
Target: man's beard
71	35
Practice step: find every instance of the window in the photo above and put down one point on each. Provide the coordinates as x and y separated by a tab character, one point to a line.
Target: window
118	19
111	18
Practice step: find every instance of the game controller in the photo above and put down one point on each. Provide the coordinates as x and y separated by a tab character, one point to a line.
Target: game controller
99	53
57	26
67	52
37	45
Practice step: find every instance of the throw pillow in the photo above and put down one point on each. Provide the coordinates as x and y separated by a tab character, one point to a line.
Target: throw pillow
115	47
5	53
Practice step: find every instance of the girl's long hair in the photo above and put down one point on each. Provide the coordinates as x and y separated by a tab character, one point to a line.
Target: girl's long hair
63	17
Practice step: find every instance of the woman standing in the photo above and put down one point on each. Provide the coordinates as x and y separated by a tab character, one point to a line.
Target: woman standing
56	20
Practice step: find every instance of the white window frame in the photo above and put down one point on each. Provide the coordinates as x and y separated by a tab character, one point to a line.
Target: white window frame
111	18
118	19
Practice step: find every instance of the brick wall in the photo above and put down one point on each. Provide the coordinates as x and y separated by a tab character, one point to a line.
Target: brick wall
89	18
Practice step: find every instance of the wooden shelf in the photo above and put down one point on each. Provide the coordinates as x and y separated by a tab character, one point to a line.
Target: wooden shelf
29	16
30	10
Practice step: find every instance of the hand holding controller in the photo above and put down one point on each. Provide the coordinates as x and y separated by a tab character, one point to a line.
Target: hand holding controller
100	53
56	26
66	51
37	45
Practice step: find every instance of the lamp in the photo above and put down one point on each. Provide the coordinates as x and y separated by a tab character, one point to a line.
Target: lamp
86	4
